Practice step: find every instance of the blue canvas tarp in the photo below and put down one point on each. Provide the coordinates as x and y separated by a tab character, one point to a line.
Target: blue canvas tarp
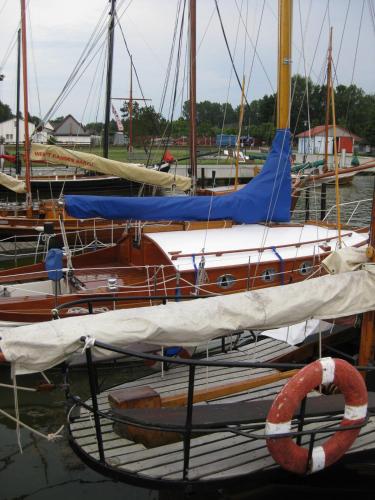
266	198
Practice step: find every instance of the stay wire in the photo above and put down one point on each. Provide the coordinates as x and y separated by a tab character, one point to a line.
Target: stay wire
355	60
255	51
228	49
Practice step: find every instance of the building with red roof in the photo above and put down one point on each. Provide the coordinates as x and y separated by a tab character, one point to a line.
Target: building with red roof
313	141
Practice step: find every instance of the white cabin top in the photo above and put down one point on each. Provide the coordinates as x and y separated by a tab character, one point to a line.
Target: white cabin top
242	244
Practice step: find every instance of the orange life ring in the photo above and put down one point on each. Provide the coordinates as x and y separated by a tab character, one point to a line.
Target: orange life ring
324	371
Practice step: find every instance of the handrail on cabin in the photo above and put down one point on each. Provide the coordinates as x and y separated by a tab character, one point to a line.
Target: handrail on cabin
177	255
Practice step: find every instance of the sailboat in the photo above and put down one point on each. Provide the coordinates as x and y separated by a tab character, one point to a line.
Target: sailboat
212	422
203	246
27	219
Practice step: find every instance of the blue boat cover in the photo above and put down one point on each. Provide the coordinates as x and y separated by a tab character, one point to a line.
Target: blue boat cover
54	264
266	198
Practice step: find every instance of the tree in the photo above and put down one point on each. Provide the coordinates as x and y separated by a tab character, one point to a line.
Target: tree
5	112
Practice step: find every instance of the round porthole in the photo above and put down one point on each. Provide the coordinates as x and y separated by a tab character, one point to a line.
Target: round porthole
268	275
225	280
306	268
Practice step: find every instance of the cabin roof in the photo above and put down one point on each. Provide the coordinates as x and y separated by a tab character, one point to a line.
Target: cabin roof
70	126
319	130
240	244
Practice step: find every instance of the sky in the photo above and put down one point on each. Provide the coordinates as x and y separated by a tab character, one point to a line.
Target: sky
59	31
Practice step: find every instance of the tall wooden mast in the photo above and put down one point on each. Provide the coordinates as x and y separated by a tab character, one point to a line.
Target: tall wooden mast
130	108
284	63
26	109
18	111
328	100
367	344
111	31
193	96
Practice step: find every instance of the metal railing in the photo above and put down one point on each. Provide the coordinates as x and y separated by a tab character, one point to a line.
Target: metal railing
189	429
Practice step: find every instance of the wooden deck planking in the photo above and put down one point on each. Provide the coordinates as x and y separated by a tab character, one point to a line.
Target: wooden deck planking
175	380
213	456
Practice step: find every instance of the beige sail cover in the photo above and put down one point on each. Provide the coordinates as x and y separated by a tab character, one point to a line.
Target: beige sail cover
56	155
12	183
37	347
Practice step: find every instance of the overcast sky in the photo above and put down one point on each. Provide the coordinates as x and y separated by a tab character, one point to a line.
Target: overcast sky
58	31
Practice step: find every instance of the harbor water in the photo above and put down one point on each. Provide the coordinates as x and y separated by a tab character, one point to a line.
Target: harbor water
50	470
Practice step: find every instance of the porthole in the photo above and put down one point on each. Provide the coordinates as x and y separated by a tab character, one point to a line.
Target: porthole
225	281
306	268
268	274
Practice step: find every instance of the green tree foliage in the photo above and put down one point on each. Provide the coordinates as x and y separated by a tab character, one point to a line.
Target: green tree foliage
5	112
145	120
355	110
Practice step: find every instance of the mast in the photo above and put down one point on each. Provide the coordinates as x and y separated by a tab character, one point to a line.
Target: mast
284	63
111	32
18	160
130	108
26	109
367	343
193	96
329	78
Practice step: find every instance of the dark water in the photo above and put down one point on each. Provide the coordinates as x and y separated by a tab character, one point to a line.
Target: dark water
50	470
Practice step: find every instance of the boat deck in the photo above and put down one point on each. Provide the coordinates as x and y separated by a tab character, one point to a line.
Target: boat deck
213	457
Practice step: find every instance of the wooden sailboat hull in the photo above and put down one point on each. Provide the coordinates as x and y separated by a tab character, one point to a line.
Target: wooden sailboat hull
142	271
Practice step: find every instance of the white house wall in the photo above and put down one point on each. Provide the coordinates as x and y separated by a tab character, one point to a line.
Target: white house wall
8	130
72	139
314	145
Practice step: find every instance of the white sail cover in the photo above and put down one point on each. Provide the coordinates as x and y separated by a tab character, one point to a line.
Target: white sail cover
37	347
12	183
56	155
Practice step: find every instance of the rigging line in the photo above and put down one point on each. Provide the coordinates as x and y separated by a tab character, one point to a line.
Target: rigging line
101	86
228	90
176	77
3	7
305	31
253	60
372	13
311	66
168	73
355	61
94	39
34	64
304	66
10	48
245	39
173	97
227	45
255	51
342	34
255	47
97	33
170	60
274	197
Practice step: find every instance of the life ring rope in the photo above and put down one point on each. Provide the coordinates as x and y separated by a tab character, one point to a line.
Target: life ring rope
279	420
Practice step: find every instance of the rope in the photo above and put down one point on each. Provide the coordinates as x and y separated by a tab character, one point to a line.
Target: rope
50	437
337	187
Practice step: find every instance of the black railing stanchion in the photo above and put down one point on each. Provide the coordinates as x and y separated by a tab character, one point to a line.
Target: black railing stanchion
93	389
223	350
301	419
311	447
188	423
91	309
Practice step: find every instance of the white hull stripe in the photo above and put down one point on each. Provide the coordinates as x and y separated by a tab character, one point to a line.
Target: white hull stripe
318	459
282	428
355	412
328	367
